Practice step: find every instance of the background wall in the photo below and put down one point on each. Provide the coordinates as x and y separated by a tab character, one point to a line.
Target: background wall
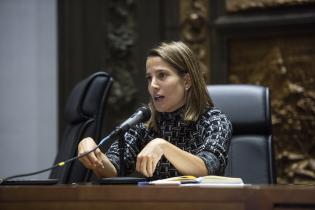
256	42
28	85
271	43
112	36
266	42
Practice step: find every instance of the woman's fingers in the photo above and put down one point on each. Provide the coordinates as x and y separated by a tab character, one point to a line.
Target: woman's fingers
99	155
149	157
142	165
86	162
90	160
146	164
93	159
96	160
97	173
150	167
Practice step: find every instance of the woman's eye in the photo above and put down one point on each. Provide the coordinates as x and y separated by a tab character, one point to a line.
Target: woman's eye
148	78
161	75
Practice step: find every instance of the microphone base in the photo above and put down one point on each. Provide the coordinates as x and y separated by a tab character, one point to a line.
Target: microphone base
121	180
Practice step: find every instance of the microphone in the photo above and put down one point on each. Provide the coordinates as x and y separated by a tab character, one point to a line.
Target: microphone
141	115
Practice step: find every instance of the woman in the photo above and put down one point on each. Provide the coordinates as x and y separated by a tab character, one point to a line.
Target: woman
185	135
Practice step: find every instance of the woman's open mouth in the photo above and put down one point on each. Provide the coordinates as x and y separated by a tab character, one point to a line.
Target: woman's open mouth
158	98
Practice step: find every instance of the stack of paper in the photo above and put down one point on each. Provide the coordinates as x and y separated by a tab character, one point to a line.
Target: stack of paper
176	180
200	181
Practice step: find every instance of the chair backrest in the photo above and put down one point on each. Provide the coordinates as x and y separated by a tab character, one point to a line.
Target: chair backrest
251	151
83	115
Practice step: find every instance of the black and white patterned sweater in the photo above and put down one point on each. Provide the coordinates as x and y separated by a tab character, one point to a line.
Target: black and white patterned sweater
208	138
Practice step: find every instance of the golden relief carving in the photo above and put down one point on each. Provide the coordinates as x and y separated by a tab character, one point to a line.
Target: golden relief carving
287	66
241	5
194	30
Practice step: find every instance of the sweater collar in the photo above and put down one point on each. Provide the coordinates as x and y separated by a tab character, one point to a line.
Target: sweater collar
177	114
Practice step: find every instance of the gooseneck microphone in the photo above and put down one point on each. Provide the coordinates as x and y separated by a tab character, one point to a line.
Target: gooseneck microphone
141	115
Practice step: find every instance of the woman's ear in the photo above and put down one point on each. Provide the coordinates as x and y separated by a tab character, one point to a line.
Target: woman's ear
187	81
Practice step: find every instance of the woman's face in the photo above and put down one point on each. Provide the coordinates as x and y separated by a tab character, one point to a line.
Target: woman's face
166	87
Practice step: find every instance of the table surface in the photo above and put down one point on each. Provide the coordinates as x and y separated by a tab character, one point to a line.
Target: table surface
89	196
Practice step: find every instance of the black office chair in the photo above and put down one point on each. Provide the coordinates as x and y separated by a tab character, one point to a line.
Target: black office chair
251	153
83	115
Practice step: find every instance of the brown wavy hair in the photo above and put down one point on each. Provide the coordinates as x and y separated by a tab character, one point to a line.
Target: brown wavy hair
178	55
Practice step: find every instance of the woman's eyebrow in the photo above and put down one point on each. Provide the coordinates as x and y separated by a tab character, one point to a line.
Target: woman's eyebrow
157	71
161	70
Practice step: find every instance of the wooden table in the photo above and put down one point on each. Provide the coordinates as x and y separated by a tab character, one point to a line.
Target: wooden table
285	197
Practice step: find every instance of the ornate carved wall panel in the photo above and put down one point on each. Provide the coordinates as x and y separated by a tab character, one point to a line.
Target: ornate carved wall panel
120	59
194	30
271	42
286	64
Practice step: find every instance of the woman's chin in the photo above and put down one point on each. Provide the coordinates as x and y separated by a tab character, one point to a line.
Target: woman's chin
160	108
163	109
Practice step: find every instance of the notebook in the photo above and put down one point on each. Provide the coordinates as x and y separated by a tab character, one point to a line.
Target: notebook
200	181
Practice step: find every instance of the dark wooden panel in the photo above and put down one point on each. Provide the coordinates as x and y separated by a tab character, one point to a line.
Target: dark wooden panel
157	20
81	45
156	197
224	26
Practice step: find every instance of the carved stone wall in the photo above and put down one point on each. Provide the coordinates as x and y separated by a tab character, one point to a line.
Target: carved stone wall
286	64
194	30
120	59
266	42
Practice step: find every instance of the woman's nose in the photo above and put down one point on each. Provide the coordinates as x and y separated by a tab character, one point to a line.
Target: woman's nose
154	83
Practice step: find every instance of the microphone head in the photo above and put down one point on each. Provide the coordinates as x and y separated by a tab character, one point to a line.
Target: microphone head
146	112
141	115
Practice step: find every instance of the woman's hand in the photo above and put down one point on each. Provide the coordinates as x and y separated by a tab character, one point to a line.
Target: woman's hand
96	160
185	162
93	159
149	156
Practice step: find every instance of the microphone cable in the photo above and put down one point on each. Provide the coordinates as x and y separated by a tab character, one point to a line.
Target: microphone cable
142	114
60	164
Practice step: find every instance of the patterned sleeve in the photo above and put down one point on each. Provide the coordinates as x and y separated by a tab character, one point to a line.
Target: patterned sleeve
133	143
215	131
